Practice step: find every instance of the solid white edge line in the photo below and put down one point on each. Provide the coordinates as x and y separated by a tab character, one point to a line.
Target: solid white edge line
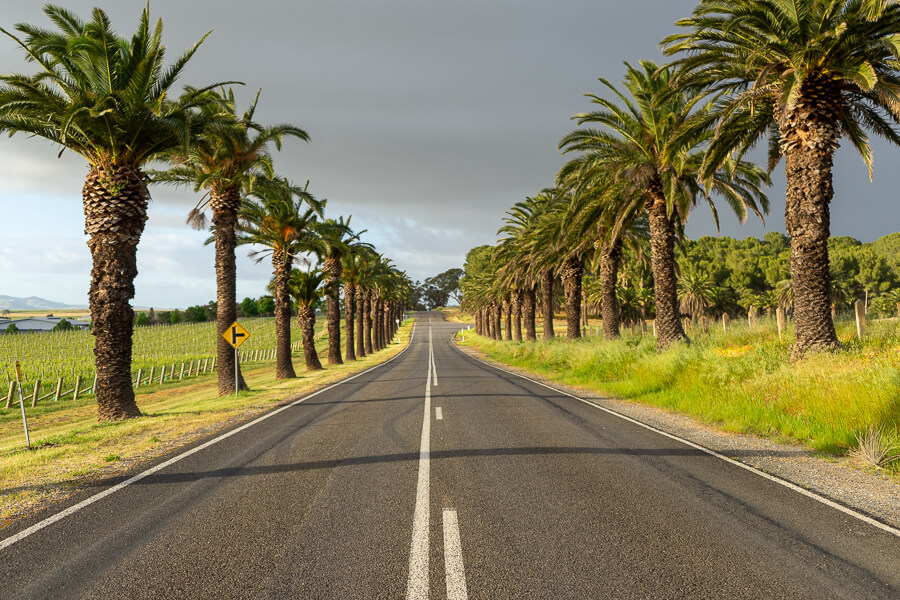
737	463
453	560
7	542
417	587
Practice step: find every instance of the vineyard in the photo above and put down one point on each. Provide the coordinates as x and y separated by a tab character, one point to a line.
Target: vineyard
58	359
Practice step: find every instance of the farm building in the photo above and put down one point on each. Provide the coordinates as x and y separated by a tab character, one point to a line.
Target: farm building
38	324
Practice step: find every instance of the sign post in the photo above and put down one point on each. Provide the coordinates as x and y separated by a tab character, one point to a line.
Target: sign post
22	403
236	335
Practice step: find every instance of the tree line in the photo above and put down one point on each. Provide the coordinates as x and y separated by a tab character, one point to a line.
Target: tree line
799	75
111	100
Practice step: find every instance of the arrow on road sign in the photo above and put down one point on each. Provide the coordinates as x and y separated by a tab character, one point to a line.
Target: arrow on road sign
236	335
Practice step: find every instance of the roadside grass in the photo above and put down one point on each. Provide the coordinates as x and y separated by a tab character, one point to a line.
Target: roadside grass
742	381
71	449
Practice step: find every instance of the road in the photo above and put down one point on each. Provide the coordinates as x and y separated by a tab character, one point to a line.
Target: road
438	476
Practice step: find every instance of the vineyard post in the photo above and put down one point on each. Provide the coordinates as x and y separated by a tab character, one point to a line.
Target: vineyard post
22	404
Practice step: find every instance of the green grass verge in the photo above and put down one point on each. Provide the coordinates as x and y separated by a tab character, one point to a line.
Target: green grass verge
742	381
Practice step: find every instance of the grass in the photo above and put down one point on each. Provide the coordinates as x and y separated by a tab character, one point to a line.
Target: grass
742	381
70	448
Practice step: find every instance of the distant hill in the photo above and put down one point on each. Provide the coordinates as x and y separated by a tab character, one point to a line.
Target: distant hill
30	303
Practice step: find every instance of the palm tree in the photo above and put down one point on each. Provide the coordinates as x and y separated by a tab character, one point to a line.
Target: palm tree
655	143
108	99
354	263
305	289
335	240
695	292
281	218
803	73
226	161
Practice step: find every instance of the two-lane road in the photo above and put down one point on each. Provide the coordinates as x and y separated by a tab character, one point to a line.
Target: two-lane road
437	476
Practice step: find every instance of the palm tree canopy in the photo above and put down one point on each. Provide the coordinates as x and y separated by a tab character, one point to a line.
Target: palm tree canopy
101	95
654	140
777	62
231	155
280	217
306	287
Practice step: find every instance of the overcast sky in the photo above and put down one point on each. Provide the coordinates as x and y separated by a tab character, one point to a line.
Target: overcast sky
427	121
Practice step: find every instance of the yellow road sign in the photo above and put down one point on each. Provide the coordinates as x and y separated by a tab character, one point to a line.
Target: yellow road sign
236	335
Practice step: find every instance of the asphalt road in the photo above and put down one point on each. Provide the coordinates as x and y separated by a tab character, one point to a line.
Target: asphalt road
506	490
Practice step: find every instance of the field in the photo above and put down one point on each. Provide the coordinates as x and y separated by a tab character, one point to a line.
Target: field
741	381
67	354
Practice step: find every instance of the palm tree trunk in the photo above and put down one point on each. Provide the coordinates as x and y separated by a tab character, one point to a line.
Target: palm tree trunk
333	267
610	257
368	320
507	313
114	255
529	310
360	321
517	295
808	220
379	323
349	318
225	207
284	366
547	302
306	316
497	316
572	272
662	262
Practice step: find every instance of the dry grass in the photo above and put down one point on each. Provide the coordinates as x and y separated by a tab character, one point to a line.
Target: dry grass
876	447
71	449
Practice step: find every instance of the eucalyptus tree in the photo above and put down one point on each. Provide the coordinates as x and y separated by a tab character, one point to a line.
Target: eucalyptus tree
226	161
803	73
655	141
306	291
108	99
281	218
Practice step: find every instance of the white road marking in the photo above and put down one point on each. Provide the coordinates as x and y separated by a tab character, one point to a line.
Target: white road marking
431	358
417	586
7	542
438	414
453	560
737	463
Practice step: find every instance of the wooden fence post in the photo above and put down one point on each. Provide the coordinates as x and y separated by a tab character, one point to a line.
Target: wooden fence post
152	372
78	388
58	390
34	396
860	310
725	322
137	383
9	394
162	375
181	374
205	363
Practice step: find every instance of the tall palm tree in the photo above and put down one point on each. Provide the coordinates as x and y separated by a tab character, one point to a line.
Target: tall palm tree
655	142
803	73
108	99
335	240
281	218
355	264
306	290
226	161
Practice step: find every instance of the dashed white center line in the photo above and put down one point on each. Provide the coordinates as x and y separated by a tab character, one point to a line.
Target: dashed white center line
417	586
438	414
453	560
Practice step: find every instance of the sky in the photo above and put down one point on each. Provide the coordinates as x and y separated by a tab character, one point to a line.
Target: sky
427	120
